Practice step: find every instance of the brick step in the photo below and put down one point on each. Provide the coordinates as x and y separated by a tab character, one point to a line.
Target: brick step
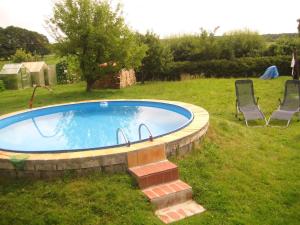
179	211
155	173
167	194
149	155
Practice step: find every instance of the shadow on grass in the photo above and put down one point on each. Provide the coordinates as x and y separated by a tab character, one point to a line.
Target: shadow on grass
252	123
10	184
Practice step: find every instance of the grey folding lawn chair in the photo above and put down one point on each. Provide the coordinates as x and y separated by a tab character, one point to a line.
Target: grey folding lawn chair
246	103
290	104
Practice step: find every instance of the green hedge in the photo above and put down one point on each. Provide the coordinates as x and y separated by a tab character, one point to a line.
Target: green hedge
241	67
2	87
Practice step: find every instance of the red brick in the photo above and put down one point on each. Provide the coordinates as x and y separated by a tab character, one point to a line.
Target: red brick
174	215
175	187
181	212
165	218
167	189
150	194
171	197
182	185
192	211
158	191
148	169
165	209
158	178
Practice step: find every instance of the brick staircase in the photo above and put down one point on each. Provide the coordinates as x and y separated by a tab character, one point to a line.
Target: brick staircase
159	180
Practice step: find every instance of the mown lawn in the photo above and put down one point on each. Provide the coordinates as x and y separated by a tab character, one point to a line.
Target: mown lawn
240	175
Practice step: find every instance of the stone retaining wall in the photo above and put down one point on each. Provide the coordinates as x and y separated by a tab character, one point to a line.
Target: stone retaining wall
107	163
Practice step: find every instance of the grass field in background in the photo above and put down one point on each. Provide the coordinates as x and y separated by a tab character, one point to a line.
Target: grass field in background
240	175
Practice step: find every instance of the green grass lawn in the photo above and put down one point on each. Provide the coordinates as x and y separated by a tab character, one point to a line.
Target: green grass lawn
240	175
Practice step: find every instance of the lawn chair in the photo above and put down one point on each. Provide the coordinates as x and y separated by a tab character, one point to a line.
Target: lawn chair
246	103
290	104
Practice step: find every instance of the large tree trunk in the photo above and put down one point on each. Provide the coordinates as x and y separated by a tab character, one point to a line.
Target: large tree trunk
143	78
89	84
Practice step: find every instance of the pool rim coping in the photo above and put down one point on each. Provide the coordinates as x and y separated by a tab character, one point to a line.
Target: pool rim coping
199	122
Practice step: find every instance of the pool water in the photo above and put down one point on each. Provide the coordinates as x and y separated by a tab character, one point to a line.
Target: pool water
89	125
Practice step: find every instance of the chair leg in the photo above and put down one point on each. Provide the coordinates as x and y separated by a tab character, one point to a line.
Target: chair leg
288	123
246	123
236	112
237	116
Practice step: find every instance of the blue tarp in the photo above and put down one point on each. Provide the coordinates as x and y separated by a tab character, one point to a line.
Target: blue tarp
270	73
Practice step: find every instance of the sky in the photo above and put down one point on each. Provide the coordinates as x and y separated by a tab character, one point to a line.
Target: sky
172	17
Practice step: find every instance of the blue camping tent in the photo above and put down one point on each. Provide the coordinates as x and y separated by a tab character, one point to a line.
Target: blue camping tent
270	73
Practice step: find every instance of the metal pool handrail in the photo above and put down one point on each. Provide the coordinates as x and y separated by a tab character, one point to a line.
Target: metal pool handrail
124	136
33	93
140	129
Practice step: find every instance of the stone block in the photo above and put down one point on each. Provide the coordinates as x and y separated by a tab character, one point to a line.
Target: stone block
107	160
117	168
8	173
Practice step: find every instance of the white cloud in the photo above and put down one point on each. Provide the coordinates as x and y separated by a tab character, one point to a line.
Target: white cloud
29	14
177	16
167	17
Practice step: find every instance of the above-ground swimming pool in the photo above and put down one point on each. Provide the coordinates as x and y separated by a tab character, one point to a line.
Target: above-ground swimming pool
95	135
92	125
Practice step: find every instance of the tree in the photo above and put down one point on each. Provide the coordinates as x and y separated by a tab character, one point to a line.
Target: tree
13	38
243	43
284	45
22	56
194	47
97	35
298	20
158	58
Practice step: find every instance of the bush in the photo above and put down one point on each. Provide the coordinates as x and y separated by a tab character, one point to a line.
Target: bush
194	47
241	43
67	70
61	72
283	46
22	56
2	87
242	67
158	59
207	46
